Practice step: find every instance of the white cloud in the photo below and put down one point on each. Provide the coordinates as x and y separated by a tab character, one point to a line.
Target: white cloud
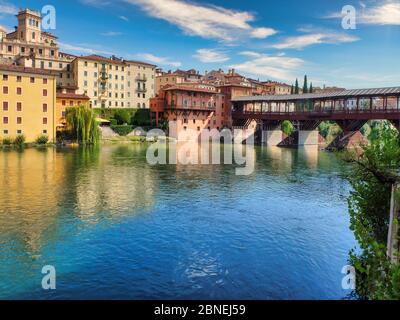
250	54
83	49
7	8
163	61
111	34
306	40
124	18
386	14
207	21
210	56
271	67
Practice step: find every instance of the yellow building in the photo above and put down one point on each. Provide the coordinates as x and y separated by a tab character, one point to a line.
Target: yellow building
67	97
27	103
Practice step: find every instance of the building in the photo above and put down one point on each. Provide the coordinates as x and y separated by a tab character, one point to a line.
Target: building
188	107
113	82
27	103
66	97
164	79
231	91
29	46
277	88
327	89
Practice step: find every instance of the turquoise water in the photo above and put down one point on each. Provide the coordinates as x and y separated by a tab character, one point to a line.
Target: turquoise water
115	227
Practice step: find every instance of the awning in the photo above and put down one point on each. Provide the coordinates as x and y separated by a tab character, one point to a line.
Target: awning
102	120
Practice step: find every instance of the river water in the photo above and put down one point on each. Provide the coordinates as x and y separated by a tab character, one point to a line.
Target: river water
115	227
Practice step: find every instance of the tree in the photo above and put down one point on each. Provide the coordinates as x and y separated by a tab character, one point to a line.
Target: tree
287	127
296	87
373	173
122	117
292	89
305	85
311	88
82	125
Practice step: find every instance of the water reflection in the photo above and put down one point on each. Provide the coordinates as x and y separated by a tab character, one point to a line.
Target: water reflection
117	227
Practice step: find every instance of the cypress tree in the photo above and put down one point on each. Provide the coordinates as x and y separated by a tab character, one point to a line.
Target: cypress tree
296	87
305	86
292	90
311	88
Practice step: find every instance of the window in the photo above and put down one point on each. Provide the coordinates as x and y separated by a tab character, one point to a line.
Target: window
19	120
50	64
85	63
63	102
5	131
71	103
32	80
5	90
5	77
52	53
19	131
44	81
44	131
45	107
85	74
44	120
5	106
19	106
5	120
44	93
40	51
9	48
19	79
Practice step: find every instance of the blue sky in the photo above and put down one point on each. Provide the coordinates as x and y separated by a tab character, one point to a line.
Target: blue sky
262	39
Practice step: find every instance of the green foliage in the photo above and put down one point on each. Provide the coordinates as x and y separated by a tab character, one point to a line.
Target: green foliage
141	118
372	177
122	130
113	122
7	142
287	128
42	139
122	117
19	141
311	90
82	125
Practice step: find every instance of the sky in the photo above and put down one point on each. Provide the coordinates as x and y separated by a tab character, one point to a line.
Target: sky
262	39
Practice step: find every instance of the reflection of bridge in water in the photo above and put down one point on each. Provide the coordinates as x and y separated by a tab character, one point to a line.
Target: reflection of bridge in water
350	109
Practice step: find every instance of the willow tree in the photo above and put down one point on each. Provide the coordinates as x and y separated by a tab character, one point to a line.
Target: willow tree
82	124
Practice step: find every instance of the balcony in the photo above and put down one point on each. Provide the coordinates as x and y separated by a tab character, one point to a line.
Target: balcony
141	78
103	77
189	107
141	90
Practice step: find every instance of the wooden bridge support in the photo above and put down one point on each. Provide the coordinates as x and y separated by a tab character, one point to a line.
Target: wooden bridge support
351	136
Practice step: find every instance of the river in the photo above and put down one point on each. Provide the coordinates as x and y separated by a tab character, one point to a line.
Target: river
115	227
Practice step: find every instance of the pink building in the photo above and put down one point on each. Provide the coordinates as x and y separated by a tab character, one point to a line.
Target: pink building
189	107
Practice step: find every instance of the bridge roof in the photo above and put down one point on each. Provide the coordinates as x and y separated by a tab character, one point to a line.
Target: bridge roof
395	91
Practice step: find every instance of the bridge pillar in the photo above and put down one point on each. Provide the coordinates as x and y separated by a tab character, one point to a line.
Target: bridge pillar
351	136
308	133
272	134
308	138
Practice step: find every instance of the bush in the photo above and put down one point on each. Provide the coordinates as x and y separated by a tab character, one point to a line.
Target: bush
43	139
7	142
122	117
19	140
113	122
122	130
141	118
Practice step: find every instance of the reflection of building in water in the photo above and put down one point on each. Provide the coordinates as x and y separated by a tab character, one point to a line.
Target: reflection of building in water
30	184
116	186
310	156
